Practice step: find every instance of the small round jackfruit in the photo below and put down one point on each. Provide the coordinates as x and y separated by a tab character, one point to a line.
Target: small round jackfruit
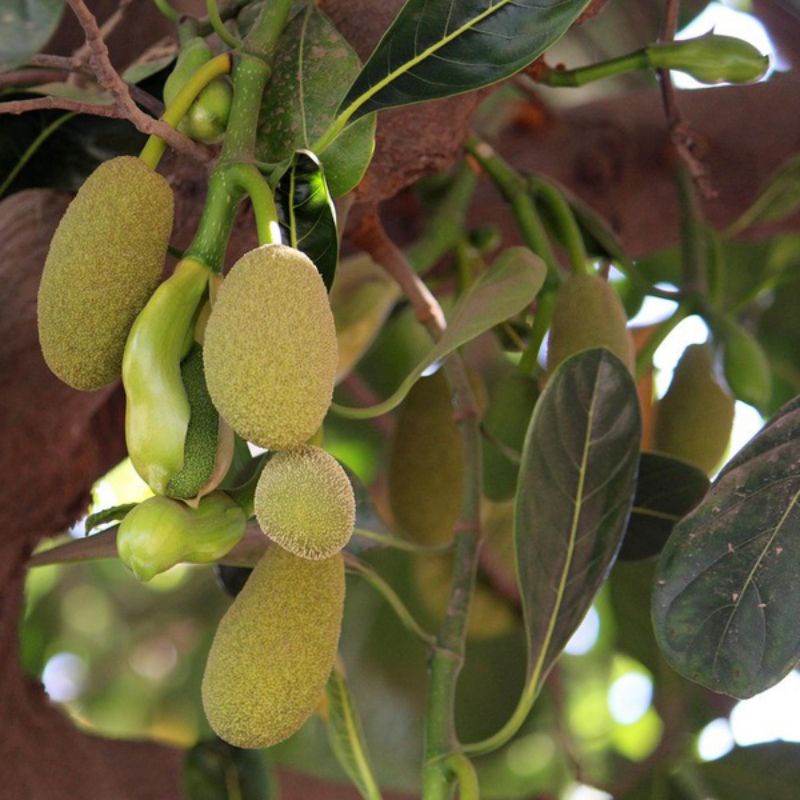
270	348
695	417
588	313
426	465
104	262
305	503
274	649
200	450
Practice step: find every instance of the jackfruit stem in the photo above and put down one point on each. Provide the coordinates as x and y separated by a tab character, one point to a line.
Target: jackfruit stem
218	25
252	182
155	147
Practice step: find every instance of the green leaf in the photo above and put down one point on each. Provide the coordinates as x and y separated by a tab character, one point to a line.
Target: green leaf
763	770
113	514
216	770
574	495
436	50
307	214
346	737
725	606
362	296
26	27
505	289
136	73
313	67
666	491
779	198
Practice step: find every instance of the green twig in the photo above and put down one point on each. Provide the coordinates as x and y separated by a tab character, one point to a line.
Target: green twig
32	148
466	775
167	10
247	178
218	25
514	189
541	323
387	540
595	72
358	567
565	222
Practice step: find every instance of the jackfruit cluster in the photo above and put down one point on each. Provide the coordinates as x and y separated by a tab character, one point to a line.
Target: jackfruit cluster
104	262
305	503
274	649
270	348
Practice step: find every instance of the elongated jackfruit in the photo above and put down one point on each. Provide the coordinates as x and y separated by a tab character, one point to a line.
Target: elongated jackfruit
304	502
694	419
587	314
274	649
270	348
200	449
104	262
426	466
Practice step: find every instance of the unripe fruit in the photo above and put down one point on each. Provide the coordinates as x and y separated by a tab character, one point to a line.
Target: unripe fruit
510	409
305	503
270	348
746	365
207	118
427	464
161	532
588	313
202	435
105	259
274	649
695	417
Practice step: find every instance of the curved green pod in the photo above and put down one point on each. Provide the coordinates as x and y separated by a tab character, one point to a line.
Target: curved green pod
105	259
157	411
160	533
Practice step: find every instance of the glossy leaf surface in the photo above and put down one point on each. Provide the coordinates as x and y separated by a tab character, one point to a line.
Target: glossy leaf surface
725	606
435	50
666	491
307	214
574	497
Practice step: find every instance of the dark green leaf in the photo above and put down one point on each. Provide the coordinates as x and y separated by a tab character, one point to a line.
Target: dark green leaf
346	737
666	491
439	49
725	606
505	289
765	771
113	514
574	496
26	27
215	770
313	68
779	198
307	213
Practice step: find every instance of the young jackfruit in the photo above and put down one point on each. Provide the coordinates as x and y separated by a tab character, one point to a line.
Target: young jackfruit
270	348
304	502
274	649
426	464
200	449
588	313
695	417
104	262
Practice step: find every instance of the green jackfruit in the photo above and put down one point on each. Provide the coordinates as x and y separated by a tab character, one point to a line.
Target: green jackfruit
105	260
587	314
305	503
274	649
695	417
426	465
270	348
202	435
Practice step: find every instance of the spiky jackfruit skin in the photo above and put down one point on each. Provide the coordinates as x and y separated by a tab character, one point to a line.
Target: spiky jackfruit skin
694	419
200	450
105	260
274	649
304	502
270	348
426	465
588	313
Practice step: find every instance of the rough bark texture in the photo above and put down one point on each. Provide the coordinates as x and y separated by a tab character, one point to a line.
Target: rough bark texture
57	441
